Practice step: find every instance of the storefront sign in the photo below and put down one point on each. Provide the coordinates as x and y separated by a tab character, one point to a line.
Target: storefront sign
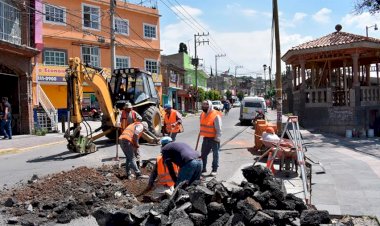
51	79
60	71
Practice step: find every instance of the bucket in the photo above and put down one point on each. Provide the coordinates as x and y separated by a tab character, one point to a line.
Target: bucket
349	133
370	133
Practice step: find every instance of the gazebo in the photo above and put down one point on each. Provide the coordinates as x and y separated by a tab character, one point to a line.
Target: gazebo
335	82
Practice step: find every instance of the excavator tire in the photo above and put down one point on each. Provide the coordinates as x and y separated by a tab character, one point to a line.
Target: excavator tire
153	117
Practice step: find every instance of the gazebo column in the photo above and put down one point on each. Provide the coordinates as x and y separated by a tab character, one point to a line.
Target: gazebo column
355	68
303	74
367	73
313	76
294	72
345	83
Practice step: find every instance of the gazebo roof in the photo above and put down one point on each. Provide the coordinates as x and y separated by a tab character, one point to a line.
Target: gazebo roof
335	41
335	38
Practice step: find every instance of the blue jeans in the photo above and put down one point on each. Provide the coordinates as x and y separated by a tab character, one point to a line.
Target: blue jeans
190	172
208	145
130	153
6	128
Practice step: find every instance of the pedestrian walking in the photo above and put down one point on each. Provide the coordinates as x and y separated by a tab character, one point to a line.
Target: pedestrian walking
211	130
6	121
226	107
186	158
129	142
172	121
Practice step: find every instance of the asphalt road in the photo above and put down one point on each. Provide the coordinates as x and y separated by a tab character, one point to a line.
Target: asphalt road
18	168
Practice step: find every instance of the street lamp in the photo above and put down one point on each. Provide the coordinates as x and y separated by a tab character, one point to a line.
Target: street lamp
374	27
265	81
236	67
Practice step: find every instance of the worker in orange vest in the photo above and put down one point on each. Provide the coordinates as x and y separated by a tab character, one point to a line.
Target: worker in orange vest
172	121
128	116
211	130
129	142
161	177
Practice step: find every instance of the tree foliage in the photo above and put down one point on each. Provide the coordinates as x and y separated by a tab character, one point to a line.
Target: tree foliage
372	6
228	94
240	95
182	48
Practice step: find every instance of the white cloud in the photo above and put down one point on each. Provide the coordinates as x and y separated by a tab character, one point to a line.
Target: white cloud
185	10
299	17
249	12
322	16
360	21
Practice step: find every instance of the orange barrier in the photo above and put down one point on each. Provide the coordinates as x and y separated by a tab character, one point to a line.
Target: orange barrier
270	162
260	127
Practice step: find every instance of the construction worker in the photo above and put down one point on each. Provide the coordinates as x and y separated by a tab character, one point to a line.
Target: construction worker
129	142
185	157
160	178
128	116
211	130
172	121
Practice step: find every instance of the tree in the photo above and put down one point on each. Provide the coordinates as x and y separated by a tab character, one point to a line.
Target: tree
228	94
201	95
240	95
372	6
182	48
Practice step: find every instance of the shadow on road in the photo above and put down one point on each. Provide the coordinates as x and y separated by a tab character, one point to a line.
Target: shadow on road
66	155
104	143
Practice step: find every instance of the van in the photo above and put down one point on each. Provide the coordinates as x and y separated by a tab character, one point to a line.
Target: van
249	106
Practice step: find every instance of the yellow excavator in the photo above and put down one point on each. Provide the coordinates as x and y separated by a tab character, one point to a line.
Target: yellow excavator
125	85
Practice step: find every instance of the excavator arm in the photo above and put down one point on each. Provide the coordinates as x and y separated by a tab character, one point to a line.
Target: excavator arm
78	74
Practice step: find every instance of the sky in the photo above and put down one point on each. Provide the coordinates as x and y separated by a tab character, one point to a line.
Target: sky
241	29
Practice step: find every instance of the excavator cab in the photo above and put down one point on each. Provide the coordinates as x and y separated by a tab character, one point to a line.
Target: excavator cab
136	86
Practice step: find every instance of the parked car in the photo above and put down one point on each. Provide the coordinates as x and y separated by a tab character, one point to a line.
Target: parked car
217	104
236	104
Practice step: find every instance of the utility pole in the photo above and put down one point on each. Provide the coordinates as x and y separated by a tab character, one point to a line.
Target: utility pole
195	62
112	31
265	80
236	67
216	69
278	68
270	76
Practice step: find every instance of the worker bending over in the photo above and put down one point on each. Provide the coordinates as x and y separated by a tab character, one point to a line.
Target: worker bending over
129	142
160	178
172	121
186	158
211	130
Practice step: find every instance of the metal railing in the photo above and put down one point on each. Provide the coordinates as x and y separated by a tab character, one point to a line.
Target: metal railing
50	110
10	26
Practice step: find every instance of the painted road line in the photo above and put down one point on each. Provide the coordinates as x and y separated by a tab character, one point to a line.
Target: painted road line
17	150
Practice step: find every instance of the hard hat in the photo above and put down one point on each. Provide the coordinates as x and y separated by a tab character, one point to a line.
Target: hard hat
128	105
167	106
145	125
165	140
269	130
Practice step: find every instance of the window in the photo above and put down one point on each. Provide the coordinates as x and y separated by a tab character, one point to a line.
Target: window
55	14
121	26
10	27
54	57
149	31
151	65
91	55
253	105
122	62
91	17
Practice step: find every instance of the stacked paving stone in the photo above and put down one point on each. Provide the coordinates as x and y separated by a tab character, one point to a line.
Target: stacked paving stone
257	201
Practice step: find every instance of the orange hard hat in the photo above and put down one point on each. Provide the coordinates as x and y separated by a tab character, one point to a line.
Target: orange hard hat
269	130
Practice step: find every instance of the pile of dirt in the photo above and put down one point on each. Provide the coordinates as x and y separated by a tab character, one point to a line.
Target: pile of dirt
67	195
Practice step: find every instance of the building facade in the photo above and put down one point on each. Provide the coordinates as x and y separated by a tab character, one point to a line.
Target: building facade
83	29
18	43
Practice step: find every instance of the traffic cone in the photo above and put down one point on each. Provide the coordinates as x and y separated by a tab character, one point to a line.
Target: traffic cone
270	161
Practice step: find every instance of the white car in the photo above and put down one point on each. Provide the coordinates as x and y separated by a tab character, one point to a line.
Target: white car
236	104
217	104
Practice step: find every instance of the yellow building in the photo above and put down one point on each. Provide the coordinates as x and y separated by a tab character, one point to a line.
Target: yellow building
82	29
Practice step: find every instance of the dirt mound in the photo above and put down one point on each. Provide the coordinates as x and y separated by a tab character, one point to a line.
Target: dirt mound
67	195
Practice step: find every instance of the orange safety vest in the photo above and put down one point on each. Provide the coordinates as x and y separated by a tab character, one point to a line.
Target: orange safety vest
124	119
169	120
207	124
129	132
163	174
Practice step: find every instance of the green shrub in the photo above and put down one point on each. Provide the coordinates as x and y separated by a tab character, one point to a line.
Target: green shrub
40	131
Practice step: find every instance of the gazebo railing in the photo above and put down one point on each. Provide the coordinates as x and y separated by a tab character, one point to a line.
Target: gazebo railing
369	95
318	97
